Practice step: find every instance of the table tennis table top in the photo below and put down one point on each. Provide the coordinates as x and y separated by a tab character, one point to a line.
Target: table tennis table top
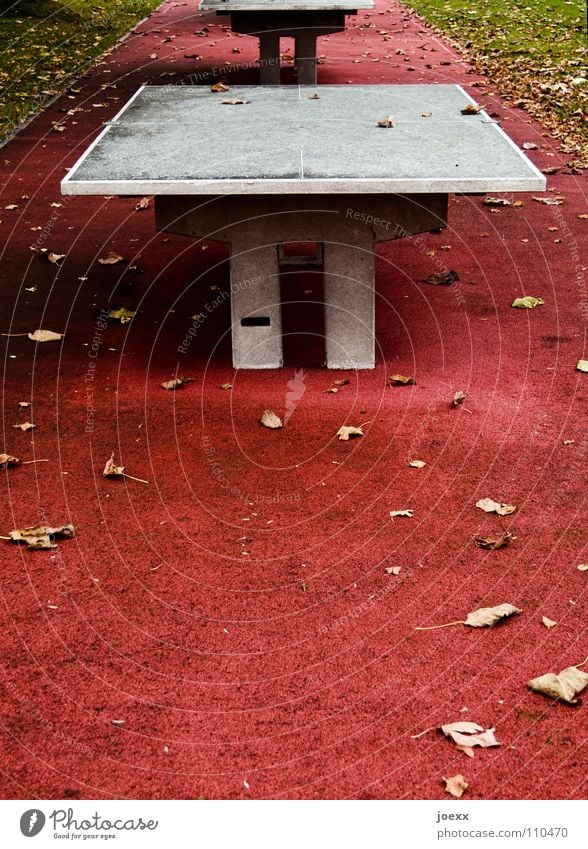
175	140
283	5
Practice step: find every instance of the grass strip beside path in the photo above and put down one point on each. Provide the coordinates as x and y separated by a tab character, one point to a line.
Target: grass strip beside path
46	44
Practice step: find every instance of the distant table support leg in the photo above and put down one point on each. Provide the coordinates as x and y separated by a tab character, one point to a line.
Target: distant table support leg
349	307
255	307
269	58
306	58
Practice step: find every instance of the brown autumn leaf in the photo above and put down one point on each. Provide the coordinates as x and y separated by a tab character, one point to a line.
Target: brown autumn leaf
492	544
490	615
219	87
417	464
426	114
392	570
550	201
123	315
24	404
41	536
176	382
344	381
347	432
442	278
111	470
488	505
549	623
332	390
388	121
24	426
270	420
468	734
7	460
55	259
111	258
458	398
234	101
456	785
45	336
582	567
401	514
11	206
143	204
492	201
565	686
483	616
226	386
530	146
401	380
471	109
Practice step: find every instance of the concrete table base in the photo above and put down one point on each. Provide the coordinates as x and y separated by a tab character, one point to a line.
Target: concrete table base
347	226
303	27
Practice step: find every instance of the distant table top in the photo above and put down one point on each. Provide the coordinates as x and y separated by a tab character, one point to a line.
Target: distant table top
283	5
175	140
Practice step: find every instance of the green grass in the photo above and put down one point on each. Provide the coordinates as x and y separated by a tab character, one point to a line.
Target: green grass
46	44
535	52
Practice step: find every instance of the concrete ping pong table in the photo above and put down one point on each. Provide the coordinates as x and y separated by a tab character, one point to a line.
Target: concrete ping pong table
302	20
287	165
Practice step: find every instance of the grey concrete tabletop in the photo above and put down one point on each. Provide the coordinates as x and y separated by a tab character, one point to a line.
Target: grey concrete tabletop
173	140
283	5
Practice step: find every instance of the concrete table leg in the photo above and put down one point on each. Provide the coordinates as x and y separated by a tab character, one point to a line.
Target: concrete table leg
306	58
255	307
349	307
269	58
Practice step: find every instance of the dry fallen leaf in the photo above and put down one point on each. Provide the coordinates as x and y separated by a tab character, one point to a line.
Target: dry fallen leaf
442	278
234	101
583	567
392	570
401	514
530	146
111	470
492	201
467	734
550	201
388	121
143	204
471	109
458	398
426	114
401	380
45	336
342	382
456	785
226	386
7	460
549	623
314	96
582	365
111	258
176	382
528	302
417	464
493	544
564	686
41	536
483	616
490	506
25	426
489	615
55	259
346	432
219	87
269	419
24	404
123	315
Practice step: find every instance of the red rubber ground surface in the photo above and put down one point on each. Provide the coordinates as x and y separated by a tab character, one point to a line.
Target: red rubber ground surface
223	667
